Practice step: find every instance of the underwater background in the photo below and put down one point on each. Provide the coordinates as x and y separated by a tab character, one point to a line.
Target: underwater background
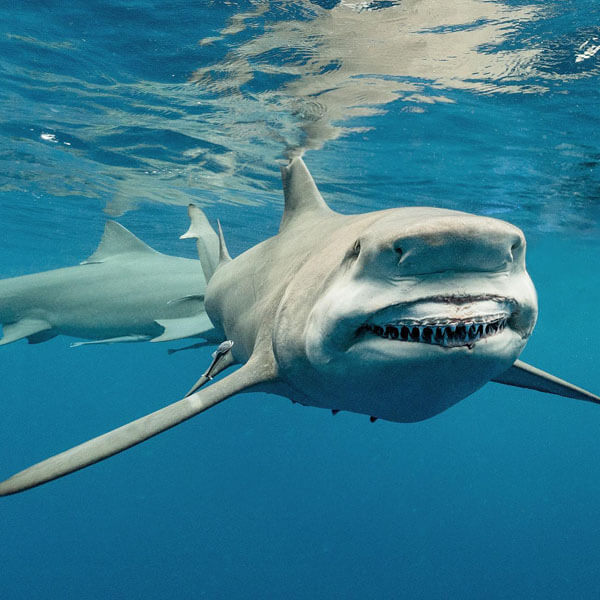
132	109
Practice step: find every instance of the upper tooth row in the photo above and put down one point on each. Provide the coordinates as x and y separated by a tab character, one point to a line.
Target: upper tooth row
450	334
448	321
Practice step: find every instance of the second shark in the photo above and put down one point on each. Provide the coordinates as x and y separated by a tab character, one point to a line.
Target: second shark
124	292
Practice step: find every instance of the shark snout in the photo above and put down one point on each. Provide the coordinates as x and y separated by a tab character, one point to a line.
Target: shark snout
445	243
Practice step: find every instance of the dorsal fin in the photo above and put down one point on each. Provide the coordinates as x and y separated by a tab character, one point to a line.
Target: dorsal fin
223	252
117	240
207	242
300	193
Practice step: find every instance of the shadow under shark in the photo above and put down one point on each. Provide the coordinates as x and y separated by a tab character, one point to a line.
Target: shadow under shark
397	314
124	292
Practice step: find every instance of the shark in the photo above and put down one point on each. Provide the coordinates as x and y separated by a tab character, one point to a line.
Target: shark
124	292
396	314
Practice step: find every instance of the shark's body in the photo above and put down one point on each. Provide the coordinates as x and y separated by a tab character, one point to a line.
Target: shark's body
396	314
313	304
124	292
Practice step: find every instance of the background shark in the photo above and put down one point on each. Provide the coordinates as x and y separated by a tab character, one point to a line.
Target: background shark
124	292
397	314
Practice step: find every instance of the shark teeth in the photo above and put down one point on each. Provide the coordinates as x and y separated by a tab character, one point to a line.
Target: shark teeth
448	333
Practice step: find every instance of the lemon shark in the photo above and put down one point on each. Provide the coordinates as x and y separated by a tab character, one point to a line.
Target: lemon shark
396	314
124	292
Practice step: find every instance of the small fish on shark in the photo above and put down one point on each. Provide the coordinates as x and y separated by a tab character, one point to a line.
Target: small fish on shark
124	292
396	314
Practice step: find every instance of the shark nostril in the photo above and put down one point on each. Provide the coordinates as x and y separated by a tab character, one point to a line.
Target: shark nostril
516	247
398	249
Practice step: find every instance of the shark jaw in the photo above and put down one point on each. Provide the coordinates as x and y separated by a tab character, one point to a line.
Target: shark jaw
409	360
449	322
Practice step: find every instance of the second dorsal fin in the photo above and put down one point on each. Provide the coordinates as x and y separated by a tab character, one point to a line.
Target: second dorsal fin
300	193
117	240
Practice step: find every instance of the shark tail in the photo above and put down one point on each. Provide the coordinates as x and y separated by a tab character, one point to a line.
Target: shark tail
207	241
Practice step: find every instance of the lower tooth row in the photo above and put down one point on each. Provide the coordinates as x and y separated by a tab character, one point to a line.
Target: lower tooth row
446	334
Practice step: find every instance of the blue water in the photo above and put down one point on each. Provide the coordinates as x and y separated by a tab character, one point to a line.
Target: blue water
133	109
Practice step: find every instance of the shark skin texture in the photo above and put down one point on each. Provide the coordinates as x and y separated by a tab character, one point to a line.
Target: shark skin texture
124	292
396	314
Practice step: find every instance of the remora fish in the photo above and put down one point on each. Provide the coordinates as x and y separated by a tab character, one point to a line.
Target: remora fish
397	314
124	292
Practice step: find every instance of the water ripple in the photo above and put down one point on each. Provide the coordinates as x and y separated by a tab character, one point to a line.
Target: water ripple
167	104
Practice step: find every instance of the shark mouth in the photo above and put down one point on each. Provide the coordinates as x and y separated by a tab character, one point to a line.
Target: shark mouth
450	332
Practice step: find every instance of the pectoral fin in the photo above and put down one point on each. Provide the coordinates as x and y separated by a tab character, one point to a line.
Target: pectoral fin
22	329
133	433
175	329
526	376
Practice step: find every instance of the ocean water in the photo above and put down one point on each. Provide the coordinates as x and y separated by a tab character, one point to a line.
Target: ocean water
132	109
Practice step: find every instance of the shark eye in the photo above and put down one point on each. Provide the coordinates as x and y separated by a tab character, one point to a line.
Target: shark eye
356	248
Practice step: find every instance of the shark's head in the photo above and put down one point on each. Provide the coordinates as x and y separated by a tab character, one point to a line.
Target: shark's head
412	310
